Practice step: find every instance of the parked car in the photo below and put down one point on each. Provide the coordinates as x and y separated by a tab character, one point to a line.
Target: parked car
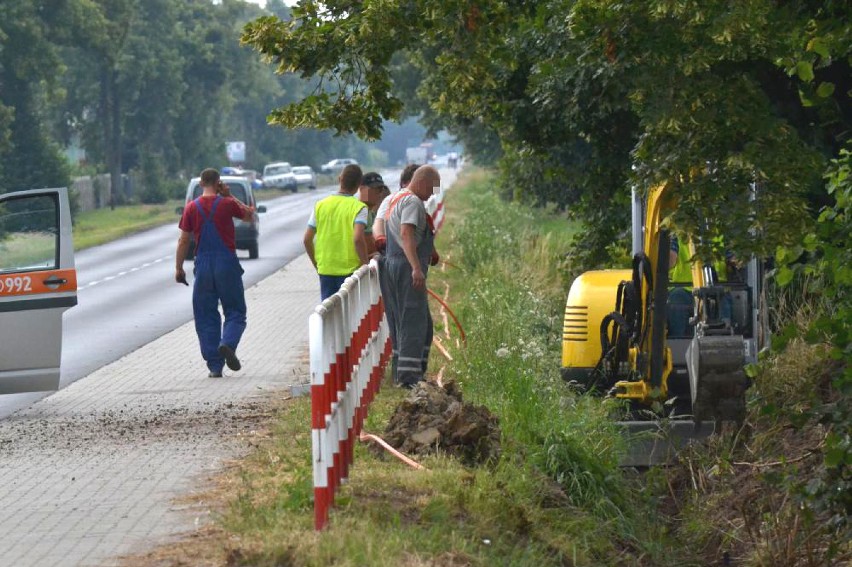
335	165
305	176
246	233
279	175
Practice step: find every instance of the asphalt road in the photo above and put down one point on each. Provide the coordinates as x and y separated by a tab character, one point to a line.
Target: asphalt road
127	296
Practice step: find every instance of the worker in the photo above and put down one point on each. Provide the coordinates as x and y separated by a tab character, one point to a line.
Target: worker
218	274
372	193
680	305
379	222
410	247
334	238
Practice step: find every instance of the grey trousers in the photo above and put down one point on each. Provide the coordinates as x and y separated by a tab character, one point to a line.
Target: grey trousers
408	314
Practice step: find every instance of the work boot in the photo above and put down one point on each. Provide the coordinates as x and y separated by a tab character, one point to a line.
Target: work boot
230	357
215	374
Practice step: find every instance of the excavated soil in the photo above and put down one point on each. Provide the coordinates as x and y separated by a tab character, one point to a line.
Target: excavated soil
436	419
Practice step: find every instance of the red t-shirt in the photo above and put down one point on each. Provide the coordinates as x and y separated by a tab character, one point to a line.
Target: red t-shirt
227	210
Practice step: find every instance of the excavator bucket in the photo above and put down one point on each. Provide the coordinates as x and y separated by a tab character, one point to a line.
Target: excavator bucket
717	378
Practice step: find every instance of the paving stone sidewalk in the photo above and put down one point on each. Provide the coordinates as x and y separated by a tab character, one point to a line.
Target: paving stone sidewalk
92	472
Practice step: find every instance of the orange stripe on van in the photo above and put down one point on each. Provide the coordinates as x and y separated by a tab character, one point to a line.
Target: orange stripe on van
31	283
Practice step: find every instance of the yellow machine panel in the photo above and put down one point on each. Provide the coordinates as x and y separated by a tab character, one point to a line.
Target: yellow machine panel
591	298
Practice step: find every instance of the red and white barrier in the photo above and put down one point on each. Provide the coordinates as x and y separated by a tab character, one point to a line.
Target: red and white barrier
349	349
435	208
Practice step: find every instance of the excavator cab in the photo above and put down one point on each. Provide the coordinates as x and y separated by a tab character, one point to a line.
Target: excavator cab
616	337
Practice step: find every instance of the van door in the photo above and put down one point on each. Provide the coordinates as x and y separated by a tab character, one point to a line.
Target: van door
38	283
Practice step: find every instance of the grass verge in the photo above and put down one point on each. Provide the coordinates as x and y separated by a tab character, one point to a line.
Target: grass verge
92	228
556	495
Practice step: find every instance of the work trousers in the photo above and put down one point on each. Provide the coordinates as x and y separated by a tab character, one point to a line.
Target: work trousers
218	278
407	310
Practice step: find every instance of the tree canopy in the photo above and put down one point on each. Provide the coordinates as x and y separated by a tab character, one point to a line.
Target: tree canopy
156	86
582	99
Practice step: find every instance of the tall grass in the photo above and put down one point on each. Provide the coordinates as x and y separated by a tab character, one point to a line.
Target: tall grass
509	287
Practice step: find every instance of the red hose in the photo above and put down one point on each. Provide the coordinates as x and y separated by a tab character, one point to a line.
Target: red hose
450	311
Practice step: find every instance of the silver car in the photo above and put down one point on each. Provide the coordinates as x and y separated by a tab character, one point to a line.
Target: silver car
279	175
305	176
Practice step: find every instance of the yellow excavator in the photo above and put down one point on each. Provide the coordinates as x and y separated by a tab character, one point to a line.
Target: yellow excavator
617	337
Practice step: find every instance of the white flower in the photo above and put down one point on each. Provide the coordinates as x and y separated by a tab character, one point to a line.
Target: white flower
502	352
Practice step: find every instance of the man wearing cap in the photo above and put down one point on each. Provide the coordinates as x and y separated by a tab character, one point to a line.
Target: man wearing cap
334	238
410	245
372	192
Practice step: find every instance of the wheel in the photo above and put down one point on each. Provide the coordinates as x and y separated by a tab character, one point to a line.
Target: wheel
253	251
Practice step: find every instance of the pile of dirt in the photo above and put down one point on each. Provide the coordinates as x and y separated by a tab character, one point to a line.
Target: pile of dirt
436	419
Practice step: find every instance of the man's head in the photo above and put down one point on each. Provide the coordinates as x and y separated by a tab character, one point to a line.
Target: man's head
423	182
407	174
373	189
350	179
209	178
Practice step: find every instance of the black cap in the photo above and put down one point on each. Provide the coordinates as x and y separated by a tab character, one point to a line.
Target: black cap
372	179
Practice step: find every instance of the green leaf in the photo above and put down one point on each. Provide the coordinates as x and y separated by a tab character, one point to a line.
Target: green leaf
825	90
819	46
805	70
751	370
784	276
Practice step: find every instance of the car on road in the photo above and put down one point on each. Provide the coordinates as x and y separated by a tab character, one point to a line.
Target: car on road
305	176
246	233
279	175
336	165
38	283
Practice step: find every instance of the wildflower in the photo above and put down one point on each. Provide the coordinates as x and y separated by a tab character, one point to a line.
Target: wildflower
502	352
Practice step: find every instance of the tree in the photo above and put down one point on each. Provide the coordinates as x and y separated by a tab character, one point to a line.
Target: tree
590	97
28	67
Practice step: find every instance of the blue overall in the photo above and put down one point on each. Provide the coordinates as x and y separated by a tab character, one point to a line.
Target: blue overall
218	277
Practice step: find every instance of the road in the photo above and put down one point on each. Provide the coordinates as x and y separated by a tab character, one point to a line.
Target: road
127	296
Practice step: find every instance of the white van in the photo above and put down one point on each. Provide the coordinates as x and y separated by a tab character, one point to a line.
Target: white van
38	283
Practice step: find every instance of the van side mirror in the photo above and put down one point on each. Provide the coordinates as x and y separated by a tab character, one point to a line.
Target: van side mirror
261	208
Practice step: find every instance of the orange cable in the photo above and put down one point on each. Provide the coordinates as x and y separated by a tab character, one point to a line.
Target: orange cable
364	437
450	311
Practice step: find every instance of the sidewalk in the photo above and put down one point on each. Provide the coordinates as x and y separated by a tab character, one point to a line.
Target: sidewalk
90	473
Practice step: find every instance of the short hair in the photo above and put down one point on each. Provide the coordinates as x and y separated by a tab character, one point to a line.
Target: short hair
209	177
350	178
407	174
426	173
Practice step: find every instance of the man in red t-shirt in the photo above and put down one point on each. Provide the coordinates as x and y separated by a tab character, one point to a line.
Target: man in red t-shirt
218	274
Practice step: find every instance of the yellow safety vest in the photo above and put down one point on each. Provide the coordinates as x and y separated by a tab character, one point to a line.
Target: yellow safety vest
334	245
681	273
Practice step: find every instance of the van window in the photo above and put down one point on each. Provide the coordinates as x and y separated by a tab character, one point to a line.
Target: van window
29	234
238	191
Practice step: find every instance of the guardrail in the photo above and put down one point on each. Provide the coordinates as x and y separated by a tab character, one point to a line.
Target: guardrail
349	349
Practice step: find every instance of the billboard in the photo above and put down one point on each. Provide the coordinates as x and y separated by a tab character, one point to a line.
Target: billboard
236	152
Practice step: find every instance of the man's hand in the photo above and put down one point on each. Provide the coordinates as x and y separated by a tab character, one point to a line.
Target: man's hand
433	261
223	189
418	280
180	276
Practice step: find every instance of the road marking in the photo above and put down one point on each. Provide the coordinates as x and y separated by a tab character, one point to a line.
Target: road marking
123	273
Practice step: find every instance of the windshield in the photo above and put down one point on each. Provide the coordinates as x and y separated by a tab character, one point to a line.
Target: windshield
238	191
276	169
301	170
